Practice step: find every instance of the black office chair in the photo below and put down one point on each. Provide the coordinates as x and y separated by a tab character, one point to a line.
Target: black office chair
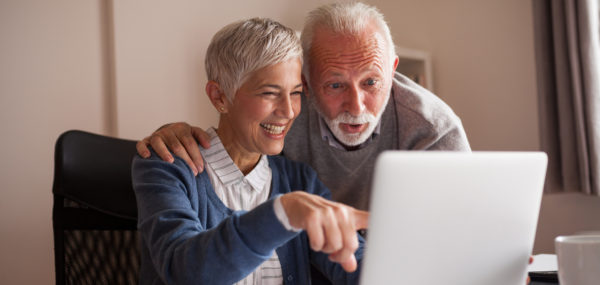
95	213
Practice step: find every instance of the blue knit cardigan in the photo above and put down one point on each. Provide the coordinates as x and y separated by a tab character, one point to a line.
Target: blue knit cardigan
188	236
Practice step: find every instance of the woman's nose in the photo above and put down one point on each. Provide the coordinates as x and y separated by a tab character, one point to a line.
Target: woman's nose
285	108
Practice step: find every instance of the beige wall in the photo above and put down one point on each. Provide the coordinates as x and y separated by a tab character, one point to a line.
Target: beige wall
50	81
56	74
564	214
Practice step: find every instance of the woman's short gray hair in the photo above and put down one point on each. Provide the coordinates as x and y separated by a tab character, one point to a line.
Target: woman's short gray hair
345	18
243	47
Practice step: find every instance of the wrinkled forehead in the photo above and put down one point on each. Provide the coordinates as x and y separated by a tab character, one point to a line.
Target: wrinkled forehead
362	49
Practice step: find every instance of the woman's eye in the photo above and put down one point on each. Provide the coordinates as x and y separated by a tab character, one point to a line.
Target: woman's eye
297	93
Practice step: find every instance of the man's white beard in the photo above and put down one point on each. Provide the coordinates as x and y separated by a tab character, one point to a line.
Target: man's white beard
346	118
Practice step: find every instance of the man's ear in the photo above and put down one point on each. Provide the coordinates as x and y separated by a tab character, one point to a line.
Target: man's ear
396	60
217	97
305	86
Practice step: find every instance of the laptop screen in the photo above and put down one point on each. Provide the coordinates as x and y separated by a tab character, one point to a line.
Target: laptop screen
453	217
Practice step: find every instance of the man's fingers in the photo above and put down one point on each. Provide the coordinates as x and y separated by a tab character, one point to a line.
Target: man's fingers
184	155
191	146
178	149
161	149
204	139
179	138
189	162
142	147
361	219
201	136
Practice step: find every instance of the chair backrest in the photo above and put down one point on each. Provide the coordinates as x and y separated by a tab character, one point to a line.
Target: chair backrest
94	214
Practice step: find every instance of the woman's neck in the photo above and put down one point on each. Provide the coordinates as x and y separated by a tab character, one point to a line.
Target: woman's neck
243	159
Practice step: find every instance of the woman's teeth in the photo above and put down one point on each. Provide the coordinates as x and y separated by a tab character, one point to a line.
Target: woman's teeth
273	129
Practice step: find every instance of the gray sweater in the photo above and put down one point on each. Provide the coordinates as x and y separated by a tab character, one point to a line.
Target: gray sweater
414	119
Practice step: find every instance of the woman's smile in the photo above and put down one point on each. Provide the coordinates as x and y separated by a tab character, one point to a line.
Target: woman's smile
273	129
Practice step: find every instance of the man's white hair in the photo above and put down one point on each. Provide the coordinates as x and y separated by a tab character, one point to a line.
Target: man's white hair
348	18
240	48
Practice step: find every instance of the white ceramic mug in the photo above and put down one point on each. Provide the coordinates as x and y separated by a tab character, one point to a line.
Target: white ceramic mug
578	259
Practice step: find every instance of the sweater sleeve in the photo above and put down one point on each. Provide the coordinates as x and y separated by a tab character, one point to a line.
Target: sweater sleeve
173	210
425	122
452	138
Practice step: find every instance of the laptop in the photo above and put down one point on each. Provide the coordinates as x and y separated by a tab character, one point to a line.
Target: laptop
453	218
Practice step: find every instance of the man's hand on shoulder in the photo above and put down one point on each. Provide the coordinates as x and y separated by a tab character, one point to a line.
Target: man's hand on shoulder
182	139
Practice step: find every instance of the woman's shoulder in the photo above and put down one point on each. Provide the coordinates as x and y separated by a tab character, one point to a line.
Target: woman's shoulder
155	166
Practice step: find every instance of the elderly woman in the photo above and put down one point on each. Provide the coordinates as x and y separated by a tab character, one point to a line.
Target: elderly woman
243	220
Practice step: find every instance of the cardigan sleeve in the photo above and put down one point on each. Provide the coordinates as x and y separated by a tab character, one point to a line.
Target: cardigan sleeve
172	215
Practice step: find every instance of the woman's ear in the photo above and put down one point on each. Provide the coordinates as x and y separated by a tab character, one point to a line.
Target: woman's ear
217	97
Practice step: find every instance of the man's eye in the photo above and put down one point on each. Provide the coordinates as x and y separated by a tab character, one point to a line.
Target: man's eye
335	85
371	82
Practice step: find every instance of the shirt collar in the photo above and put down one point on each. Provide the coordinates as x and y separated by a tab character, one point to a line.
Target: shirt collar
258	177
226	170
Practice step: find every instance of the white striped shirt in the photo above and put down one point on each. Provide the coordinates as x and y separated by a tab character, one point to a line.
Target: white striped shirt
239	192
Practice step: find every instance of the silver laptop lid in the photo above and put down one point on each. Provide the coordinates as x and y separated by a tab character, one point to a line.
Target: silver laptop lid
453	217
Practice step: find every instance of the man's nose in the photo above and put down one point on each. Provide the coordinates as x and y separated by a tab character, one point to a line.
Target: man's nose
355	104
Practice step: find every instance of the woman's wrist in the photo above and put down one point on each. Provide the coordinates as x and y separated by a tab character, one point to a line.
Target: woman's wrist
282	216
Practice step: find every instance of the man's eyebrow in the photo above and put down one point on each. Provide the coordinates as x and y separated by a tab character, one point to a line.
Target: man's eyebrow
332	73
366	67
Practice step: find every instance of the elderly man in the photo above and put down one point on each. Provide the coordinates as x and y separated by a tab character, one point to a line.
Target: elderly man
355	106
